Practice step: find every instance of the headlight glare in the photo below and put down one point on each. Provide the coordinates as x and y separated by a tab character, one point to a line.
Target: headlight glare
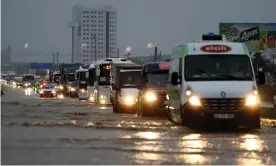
150	96
195	101
251	100
129	100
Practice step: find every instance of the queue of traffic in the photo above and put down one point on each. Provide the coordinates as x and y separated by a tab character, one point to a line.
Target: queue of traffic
206	82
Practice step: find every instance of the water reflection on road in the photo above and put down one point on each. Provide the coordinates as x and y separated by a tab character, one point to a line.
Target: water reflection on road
69	131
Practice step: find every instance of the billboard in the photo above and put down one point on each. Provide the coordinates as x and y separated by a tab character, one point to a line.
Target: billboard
257	36
41	65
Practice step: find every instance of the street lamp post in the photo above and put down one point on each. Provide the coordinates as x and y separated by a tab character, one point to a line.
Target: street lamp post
128	50
73	26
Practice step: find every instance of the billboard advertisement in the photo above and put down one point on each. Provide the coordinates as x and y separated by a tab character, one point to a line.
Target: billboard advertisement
257	36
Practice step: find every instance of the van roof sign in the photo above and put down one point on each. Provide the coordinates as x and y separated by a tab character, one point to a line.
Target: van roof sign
215	48
153	67
164	65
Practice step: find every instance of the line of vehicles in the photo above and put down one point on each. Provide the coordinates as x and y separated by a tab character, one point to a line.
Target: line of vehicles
211	82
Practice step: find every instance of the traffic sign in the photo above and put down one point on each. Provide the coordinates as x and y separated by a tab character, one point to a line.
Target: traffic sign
41	65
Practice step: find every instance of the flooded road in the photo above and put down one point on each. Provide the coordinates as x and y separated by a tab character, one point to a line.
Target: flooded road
68	131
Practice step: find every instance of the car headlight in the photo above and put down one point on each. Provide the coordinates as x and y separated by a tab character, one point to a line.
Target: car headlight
41	92
195	101
252	100
53	91
150	96
129	100
73	89
61	87
102	97
82	90
61	96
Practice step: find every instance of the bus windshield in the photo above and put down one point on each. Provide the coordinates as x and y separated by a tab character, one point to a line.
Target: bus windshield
104	74
82	76
218	68
71	77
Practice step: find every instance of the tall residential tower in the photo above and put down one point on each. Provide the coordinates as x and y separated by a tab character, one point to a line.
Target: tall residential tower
95	33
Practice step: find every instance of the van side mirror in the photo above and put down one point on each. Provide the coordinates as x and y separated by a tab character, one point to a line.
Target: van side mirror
261	78
113	86
174	78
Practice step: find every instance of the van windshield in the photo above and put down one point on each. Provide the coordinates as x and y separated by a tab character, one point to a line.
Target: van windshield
158	80
130	78
218	68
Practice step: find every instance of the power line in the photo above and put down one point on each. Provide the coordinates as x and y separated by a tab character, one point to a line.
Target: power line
39	53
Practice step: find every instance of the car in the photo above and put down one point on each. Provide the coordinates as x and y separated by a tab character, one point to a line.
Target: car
47	91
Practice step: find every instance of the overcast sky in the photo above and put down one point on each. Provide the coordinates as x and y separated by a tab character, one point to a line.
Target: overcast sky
165	23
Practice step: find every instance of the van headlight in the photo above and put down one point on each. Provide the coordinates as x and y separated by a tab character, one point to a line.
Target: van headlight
129	100
252	100
150	96
195	101
102	97
60	87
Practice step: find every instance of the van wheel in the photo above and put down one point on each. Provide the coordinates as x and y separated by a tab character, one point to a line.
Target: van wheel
143	112
169	114
183	116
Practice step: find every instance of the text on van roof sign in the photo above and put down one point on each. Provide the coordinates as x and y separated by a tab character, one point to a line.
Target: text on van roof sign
215	48
164	66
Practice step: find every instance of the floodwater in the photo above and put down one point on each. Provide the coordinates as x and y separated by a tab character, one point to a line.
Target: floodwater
69	131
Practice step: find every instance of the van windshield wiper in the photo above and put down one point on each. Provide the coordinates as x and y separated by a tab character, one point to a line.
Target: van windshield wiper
203	71
230	76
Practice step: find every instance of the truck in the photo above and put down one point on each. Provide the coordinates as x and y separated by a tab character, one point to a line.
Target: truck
54	77
124	79
67	75
101	92
91	81
82	76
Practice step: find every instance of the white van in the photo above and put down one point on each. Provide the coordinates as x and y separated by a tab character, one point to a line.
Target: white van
213	82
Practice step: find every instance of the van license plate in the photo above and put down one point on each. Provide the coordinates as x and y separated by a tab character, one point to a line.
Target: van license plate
224	116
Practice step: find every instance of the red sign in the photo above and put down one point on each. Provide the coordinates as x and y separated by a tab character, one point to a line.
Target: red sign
215	48
164	66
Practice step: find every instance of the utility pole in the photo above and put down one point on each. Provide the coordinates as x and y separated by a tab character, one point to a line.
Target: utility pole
57	60
73	44
160	56
53	61
73	26
155	54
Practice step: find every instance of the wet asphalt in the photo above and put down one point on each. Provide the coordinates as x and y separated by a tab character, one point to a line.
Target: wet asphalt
69	131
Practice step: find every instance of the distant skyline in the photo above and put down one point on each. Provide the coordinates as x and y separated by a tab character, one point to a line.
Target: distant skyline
43	23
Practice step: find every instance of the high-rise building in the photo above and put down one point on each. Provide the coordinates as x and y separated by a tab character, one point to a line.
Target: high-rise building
95	33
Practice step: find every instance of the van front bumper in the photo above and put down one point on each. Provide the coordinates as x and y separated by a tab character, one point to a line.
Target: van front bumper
246	116
155	108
